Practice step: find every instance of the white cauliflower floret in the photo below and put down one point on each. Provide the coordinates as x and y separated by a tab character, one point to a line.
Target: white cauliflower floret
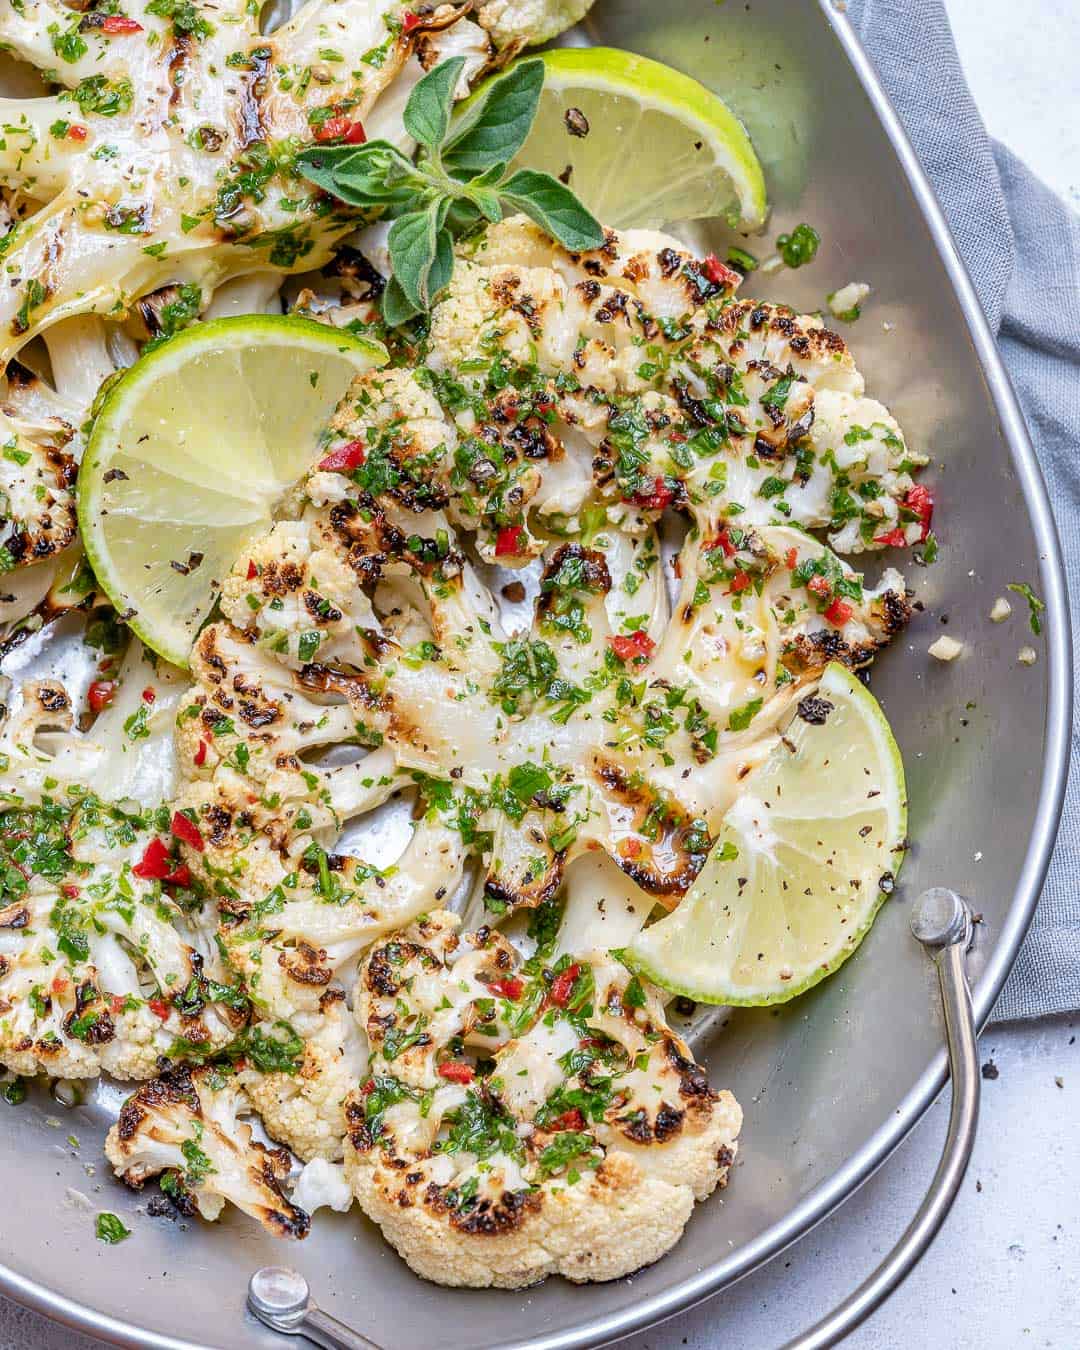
186	1124
88	245
580	1151
40	998
322	1184
304	1105
405	1004
514	24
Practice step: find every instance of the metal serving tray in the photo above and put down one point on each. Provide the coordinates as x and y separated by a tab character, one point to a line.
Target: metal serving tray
833	1082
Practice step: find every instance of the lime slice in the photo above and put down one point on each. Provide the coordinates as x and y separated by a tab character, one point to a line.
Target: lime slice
191	452
804	859
657	146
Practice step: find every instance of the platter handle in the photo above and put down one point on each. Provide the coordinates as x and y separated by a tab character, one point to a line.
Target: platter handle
281	1300
942	922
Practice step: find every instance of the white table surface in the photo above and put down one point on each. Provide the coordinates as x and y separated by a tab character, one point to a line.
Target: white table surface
1005	1271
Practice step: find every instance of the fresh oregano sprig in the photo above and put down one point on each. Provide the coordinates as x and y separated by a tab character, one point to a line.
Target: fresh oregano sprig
458	182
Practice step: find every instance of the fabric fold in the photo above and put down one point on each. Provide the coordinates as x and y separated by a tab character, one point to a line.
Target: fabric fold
1021	244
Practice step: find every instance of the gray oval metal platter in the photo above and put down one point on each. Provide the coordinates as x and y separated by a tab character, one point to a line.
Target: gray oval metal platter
831	1083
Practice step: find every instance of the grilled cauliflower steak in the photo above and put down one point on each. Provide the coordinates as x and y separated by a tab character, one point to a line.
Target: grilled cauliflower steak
186	1124
565	759
576	1144
166	157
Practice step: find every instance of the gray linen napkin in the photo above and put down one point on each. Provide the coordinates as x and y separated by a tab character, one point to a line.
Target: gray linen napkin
1021	244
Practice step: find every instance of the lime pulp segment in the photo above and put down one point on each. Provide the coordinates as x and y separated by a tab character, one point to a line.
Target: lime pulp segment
192	450
642	144
804	859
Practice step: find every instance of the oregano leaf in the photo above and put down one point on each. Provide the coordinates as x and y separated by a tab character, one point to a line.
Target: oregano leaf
375	174
396	306
495	127
554	208
427	113
487	202
442	268
411	244
463	217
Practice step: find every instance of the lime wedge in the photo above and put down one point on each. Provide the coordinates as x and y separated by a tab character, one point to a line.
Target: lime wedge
803	861
190	453
644	144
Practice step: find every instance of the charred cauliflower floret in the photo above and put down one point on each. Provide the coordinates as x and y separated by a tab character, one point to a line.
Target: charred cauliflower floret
551	1122
97	968
514	24
299	597
672	393
126	751
37	500
186	1125
301	1100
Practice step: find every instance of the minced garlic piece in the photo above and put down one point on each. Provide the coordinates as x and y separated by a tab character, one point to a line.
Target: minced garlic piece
1027	656
945	648
845	302
1001	610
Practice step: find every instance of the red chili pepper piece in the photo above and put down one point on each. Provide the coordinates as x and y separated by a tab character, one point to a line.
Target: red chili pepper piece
187	831
455	1072
70	891
893	539
409	21
820	586
116	1003
632	647
510	987
252	571
791	558
199	757
510	541
341	129
739	582
77	132
345	458
722	541
658	498
100	694
331	129
148	695
569	1120
179	876
630	848
366	1089
839	612
719	273
154	864
920	501
562	985
678	436
159	1008
117	23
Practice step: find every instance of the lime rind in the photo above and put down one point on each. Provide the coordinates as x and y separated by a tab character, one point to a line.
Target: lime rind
655	954
629	75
